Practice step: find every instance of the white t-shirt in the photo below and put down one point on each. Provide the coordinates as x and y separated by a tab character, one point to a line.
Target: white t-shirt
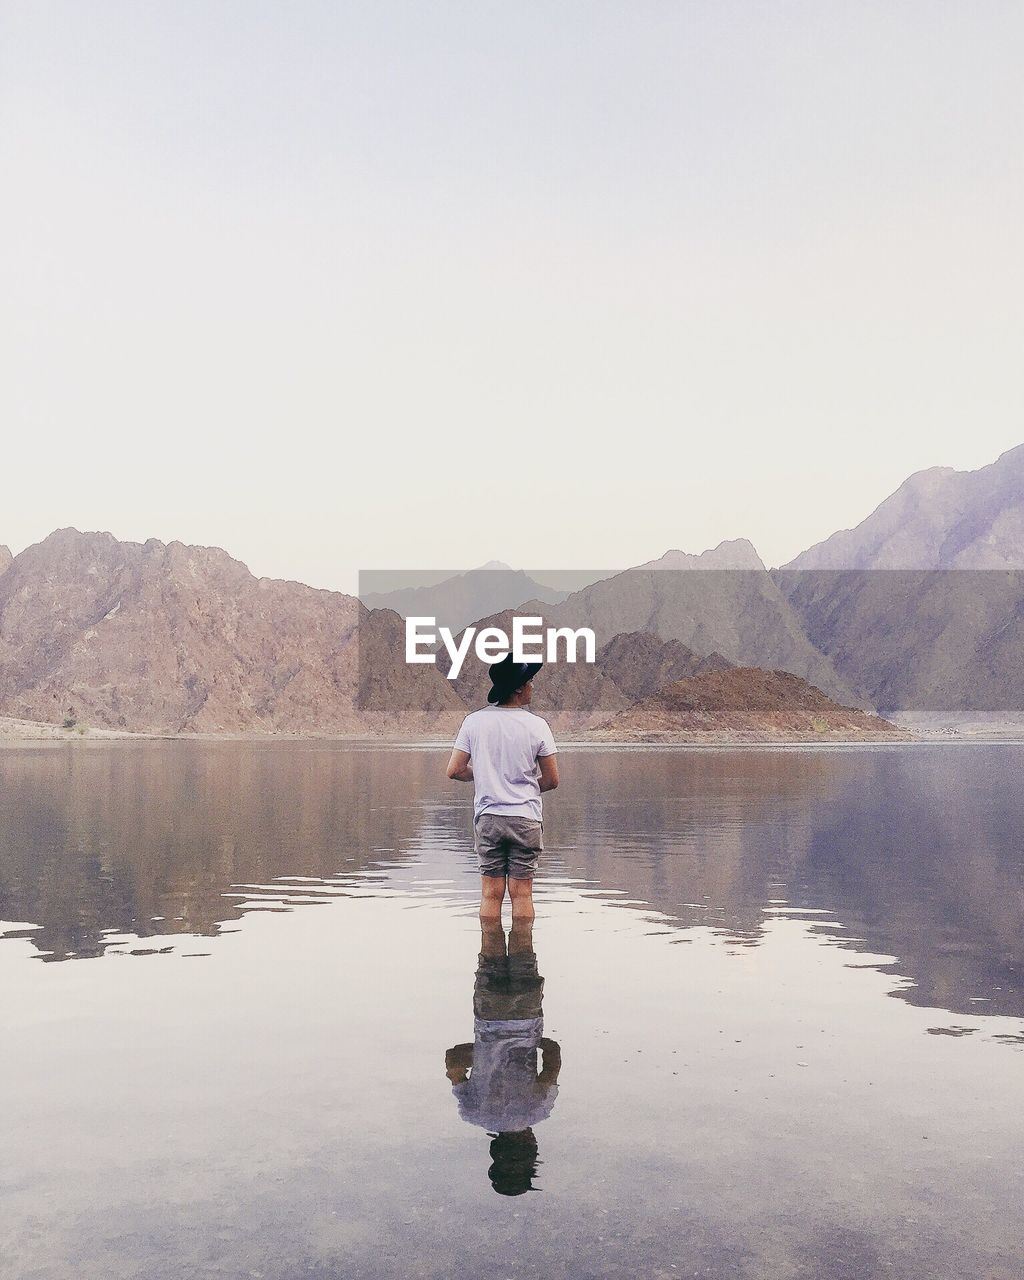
504	744
504	1094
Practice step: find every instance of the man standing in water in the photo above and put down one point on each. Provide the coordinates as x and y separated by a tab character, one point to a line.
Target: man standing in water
508	754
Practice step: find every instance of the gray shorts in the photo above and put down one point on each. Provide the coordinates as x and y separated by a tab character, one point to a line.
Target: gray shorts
508	845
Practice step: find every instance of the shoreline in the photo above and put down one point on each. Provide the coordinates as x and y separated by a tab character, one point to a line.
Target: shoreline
20	733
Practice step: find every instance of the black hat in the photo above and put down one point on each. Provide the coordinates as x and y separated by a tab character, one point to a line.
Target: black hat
508	676
515	1163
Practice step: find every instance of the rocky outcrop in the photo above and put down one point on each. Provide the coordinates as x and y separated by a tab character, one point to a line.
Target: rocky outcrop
743	704
640	664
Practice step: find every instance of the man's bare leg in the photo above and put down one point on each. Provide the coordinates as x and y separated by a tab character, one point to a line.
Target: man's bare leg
520	938
492	895
492	938
521	893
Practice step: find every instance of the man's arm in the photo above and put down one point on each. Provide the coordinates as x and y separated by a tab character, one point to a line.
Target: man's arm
459	767
548	772
550	1061
457	1062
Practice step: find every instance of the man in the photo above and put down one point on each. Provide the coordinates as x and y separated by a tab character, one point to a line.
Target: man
508	754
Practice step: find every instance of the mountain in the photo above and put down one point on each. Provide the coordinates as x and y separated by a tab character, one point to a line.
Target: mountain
396	697
937	519
155	637
920	608
5	558
746	704
168	638
946	643
173	638
739	613
640	664
737	553
460	600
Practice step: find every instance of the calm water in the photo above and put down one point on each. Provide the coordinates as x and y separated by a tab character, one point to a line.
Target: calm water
769	1023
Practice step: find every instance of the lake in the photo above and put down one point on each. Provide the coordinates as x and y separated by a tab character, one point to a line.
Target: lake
769	1021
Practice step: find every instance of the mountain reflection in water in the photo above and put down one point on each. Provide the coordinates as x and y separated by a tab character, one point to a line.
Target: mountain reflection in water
346	1071
914	853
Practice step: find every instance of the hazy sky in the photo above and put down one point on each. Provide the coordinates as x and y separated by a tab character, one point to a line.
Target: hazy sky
341	285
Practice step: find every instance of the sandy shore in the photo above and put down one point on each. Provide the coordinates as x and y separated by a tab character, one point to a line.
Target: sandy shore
14	732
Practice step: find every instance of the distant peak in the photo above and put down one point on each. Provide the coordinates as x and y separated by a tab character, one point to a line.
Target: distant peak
1014	456
734	553
72	537
928	477
938	518
493	565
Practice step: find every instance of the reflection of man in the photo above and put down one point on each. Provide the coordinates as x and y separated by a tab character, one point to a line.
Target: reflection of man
495	1079
508	754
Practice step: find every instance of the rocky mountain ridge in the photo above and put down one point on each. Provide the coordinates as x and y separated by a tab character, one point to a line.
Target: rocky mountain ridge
167	638
920	608
156	637
172	638
734	553
740	614
937	519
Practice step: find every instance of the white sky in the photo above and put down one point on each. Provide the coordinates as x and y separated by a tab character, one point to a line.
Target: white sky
340	285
